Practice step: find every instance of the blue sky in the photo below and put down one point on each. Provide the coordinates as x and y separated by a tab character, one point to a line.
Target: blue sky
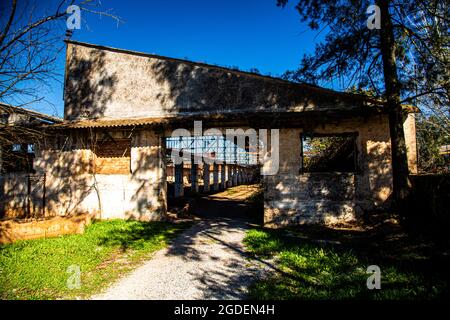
247	34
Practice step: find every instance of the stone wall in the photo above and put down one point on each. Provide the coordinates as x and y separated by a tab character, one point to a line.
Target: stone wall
113	156
107	83
110	83
75	185
295	197
21	195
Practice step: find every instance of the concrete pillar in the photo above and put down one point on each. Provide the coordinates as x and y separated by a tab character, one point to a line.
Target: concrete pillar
215	184
206	177
239	175
229	176
179	188
194	177
223	178
148	167
233	175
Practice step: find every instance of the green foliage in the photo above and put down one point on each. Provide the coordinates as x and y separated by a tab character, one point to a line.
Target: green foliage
431	136
328	153
37	269
310	270
351	53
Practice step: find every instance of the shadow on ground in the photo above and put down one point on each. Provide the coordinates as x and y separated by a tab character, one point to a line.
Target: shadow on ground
330	263
224	269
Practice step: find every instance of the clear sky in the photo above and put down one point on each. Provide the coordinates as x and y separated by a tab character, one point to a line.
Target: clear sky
246	33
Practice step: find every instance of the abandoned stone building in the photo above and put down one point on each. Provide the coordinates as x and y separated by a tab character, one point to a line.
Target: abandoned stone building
109	155
17	140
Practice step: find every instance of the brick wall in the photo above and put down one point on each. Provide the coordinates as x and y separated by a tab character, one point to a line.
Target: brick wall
113	157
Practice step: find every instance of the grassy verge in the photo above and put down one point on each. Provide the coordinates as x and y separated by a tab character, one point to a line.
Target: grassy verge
38	269
310	268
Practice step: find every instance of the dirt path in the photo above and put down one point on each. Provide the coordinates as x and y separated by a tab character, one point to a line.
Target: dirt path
238	193
205	262
233	203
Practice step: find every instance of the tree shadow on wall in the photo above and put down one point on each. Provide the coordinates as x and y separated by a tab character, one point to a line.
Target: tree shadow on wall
148	178
89	86
309	198
194	88
63	154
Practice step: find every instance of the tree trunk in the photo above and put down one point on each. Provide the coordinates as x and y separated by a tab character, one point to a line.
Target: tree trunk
401	181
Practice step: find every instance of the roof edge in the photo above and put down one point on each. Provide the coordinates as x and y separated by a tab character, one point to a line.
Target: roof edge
374	100
31	112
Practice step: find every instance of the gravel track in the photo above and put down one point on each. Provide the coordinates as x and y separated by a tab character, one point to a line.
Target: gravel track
206	261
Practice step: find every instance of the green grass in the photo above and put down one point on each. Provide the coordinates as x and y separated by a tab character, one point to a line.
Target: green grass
230	192
310	269
37	269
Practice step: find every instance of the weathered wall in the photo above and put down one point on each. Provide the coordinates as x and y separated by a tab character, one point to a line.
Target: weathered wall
294	197
409	127
113	84
113	156
73	185
14	230
21	195
108	83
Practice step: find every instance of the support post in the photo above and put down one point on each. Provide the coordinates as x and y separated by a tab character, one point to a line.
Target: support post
194	177
179	188
206	177
215	185
223	178
229	176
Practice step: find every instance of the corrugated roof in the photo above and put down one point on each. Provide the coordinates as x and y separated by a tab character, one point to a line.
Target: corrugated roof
99	123
182	118
129	122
